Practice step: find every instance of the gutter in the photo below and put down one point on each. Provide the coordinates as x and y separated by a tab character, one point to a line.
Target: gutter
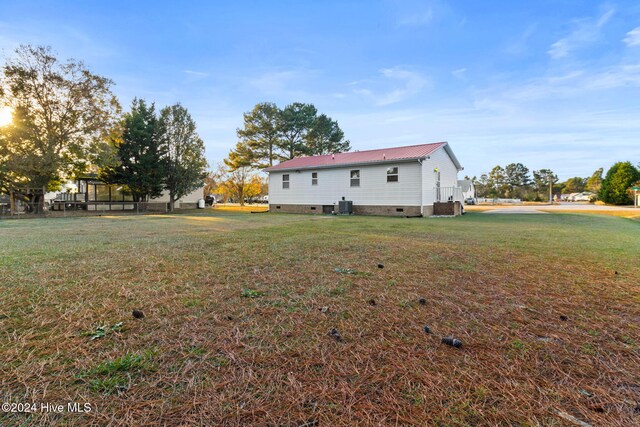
344	165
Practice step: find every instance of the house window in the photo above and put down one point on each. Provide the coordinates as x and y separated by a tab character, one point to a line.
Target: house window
285	181
355	178
314	178
392	174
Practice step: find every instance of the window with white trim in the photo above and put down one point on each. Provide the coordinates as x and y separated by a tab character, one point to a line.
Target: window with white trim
285	180
392	174
314	178
355	178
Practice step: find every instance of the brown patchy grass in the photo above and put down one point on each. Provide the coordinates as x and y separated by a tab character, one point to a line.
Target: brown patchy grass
233	333
610	212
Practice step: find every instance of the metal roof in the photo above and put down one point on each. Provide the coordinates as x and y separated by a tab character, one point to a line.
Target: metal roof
382	155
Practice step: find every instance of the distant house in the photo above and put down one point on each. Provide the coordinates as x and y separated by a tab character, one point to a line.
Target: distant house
402	181
467	188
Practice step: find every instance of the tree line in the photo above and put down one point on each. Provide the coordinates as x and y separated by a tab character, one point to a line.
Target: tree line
67	122
272	134
514	181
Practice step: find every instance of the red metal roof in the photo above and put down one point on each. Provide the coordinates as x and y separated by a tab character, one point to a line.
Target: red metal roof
355	157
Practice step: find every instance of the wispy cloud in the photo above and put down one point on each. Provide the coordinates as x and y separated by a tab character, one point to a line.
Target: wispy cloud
404	84
633	37
285	83
196	73
518	45
416	19
586	31
460	73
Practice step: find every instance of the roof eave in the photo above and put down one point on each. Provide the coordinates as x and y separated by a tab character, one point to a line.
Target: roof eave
344	165
452	156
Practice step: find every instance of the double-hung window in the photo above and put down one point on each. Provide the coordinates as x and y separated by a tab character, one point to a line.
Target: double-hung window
355	178
314	178
285	181
392	174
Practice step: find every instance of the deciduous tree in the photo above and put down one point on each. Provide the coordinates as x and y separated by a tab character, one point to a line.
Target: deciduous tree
595	181
185	164
62	113
574	185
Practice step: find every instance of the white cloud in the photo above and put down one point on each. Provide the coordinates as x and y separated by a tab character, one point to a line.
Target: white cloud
196	73
586	31
417	18
633	37
286	83
395	84
460	73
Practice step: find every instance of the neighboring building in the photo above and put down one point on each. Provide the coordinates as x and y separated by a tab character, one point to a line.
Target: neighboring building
90	193
468	189
402	181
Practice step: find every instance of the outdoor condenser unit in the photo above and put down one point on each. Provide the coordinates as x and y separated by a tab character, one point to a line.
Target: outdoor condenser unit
345	207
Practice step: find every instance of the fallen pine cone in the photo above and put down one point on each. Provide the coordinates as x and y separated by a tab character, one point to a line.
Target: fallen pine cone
335	334
138	314
453	342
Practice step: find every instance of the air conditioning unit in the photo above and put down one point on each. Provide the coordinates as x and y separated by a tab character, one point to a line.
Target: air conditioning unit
345	207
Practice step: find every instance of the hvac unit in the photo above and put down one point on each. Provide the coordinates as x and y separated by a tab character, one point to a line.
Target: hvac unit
345	207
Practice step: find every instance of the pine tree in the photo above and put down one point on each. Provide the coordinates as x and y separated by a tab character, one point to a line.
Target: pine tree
140	157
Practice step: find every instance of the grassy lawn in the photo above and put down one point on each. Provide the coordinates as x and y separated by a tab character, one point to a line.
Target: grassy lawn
238	308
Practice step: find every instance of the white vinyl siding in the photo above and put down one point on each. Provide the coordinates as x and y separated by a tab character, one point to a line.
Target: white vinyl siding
448	172
336	183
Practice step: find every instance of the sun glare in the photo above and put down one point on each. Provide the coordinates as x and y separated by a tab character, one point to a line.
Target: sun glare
5	116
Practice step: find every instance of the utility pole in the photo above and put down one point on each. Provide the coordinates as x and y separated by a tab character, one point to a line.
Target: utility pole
551	189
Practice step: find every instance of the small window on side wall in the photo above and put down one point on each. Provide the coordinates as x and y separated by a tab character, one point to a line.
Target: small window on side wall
314	178
285	181
392	174
355	178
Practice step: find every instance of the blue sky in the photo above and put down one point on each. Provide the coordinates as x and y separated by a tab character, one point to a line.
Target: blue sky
546	83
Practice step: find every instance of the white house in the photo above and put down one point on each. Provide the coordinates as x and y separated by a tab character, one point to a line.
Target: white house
468	189
403	181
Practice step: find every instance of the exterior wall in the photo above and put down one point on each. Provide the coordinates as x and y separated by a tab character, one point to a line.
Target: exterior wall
447	208
448	174
374	196
335	183
188	201
357	209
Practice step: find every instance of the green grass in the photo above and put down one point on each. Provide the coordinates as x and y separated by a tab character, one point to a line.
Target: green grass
238	308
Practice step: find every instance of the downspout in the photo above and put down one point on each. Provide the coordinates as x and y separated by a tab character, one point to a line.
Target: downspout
421	189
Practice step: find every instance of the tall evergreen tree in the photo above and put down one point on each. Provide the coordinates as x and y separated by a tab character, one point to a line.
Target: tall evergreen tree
141	164
185	164
544	179
326	137
295	123
260	136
